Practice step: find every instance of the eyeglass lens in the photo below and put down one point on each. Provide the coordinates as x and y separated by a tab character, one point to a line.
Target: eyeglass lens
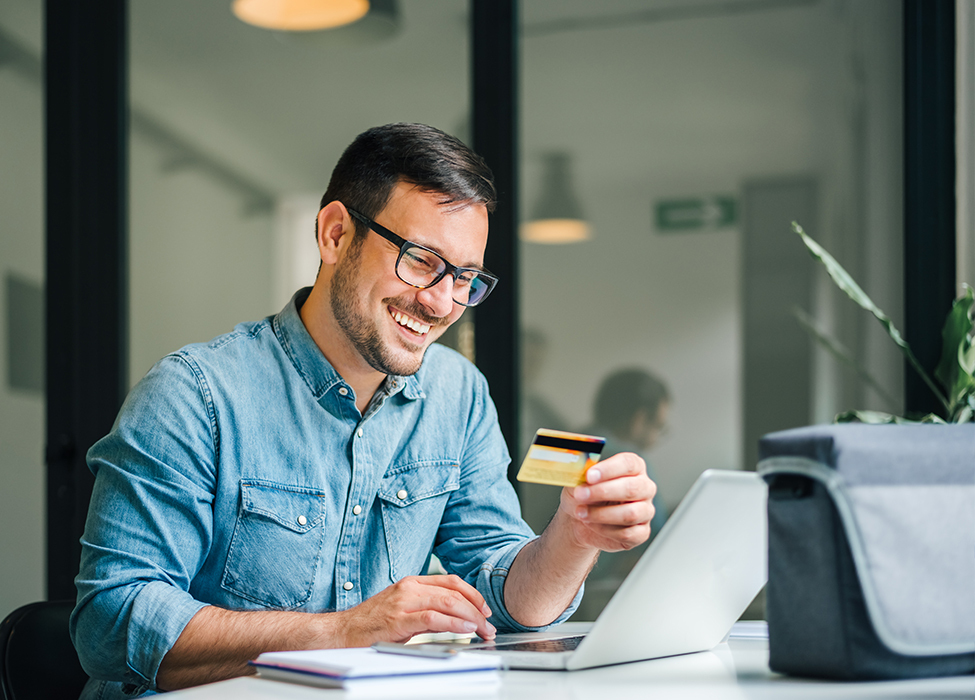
421	268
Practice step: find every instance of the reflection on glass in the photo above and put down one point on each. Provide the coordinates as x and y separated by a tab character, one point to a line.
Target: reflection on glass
696	136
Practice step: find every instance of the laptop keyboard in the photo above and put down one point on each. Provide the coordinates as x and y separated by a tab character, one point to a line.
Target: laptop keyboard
543	645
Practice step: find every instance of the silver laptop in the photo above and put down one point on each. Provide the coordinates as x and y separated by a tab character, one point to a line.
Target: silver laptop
694	581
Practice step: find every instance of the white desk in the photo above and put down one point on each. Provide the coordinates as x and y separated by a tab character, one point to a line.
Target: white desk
737	669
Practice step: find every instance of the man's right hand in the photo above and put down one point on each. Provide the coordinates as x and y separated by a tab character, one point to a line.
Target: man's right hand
416	605
218	643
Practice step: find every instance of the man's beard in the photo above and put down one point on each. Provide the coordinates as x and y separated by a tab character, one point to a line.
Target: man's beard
363	335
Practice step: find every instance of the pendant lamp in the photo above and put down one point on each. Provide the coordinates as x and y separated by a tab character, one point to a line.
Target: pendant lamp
557	216
300	15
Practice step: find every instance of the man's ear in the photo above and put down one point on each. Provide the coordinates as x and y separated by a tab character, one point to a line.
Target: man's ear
335	231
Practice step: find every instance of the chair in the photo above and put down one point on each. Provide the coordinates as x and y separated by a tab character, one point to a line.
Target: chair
37	659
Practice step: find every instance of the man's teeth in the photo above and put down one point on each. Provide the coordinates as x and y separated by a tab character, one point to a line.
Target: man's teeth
410	323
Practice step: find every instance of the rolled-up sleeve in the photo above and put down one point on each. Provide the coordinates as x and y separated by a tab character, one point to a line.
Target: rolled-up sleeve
149	526
482	531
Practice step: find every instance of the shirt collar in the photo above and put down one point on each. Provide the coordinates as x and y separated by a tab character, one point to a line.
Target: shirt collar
311	364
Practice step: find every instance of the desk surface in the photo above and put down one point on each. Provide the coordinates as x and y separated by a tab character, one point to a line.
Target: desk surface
735	669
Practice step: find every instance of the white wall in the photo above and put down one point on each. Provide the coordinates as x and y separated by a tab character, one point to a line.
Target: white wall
199	262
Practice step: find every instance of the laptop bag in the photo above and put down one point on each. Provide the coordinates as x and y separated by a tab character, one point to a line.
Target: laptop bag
871	550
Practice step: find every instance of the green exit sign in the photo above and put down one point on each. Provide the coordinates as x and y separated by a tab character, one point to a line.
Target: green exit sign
695	213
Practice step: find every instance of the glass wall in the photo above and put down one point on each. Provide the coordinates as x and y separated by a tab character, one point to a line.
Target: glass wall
235	130
690	135
21	306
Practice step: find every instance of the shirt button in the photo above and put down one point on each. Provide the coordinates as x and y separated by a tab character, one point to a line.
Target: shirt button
348	585
343	391
302	520
356	510
359	432
401	494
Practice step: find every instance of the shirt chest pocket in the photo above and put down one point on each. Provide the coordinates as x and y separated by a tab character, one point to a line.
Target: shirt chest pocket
275	552
413	498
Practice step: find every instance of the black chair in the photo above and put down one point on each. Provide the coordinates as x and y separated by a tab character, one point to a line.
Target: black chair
37	659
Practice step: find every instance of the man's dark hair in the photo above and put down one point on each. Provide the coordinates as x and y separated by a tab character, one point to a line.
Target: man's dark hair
378	159
625	392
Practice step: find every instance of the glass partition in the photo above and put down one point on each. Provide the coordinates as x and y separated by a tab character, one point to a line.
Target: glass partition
22	404
235	130
689	135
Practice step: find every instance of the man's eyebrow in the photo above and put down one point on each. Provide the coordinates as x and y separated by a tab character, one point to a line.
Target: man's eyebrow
467	266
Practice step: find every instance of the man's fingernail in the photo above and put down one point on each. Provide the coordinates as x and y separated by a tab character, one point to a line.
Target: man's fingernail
469	626
593	475
486	611
581	513
491	628
582	493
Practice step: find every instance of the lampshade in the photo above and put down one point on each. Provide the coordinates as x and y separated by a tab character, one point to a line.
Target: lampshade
557	215
300	15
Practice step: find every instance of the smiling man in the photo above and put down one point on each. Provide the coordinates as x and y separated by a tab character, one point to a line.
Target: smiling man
284	485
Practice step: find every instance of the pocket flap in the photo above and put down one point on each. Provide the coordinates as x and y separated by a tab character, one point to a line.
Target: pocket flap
406	485
298	509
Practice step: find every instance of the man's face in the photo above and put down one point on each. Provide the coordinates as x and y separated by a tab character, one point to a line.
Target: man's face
388	322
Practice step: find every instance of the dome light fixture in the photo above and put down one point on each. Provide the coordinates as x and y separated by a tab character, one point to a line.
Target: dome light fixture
300	15
557	216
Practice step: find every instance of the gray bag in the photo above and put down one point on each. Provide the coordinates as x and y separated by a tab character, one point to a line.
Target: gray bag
871	550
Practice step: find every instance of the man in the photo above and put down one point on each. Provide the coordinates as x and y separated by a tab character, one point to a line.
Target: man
283	486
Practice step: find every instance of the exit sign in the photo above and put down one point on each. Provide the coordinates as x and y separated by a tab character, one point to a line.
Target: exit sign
695	213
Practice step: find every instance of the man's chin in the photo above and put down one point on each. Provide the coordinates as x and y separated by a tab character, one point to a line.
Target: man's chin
405	362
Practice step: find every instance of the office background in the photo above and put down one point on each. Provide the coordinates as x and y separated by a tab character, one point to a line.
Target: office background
690	133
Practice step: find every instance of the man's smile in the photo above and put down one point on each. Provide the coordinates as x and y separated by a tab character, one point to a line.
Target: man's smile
417	327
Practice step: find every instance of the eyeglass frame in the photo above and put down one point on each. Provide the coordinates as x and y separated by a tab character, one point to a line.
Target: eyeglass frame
449	267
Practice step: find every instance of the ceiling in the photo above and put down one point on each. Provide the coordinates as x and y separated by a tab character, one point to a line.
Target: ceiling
684	79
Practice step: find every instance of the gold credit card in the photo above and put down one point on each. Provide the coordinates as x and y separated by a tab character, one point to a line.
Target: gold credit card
560	458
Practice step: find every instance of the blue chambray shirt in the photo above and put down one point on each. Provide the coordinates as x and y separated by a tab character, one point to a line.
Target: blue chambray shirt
239	473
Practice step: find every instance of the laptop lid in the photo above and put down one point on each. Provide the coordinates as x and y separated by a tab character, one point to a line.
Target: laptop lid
696	578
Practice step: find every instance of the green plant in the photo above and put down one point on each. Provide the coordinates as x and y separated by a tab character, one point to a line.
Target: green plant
955	370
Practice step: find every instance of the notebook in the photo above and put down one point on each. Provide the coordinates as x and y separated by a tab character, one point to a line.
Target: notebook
696	578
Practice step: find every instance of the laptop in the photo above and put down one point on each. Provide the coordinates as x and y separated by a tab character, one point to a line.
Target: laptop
696	578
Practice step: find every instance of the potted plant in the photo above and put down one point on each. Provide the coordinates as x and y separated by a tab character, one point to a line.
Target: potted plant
955	371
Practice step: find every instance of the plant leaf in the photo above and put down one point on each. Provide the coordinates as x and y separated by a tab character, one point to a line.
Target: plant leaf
843	280
956	370
837	350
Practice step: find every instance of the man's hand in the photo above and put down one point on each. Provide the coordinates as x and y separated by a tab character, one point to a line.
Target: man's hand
612	511
415	605
218	643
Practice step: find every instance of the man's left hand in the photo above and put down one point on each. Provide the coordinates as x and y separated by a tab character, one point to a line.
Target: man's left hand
612	511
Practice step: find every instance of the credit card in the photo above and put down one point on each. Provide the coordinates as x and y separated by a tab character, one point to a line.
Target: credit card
560	458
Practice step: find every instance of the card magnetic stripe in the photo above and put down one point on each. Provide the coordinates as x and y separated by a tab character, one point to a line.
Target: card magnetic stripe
567	444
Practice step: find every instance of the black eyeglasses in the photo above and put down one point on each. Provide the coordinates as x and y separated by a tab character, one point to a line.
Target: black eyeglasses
421	267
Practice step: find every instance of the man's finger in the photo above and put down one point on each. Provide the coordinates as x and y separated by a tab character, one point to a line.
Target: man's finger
458	584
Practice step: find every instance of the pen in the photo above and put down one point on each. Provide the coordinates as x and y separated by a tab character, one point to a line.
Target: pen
441	651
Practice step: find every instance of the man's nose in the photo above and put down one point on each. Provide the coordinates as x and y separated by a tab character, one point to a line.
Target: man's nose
438	298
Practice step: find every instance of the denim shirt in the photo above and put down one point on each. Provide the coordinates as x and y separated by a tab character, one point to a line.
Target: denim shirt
239	473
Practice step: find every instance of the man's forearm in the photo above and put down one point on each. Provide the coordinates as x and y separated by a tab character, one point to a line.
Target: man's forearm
218	643
546	575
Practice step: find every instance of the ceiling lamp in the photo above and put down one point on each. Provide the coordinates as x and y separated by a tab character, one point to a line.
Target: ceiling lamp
300	15
557	216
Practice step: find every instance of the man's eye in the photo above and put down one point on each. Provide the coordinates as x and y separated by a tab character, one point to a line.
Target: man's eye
465	279
420	260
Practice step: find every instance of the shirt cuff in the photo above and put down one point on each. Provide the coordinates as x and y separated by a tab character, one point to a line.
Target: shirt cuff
490	583
159	614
